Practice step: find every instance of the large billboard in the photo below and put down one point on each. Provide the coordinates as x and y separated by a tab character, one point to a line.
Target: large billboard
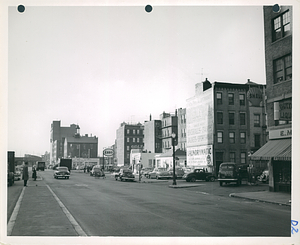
200	119
201	156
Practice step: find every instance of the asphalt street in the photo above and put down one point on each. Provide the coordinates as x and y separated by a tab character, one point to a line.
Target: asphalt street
105	207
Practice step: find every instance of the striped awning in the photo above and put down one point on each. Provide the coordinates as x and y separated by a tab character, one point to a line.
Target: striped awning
280	149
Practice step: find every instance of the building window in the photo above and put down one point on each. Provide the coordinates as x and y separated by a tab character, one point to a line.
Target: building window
281	26
138	140
242	137
133	131
220	137
230	99
128	131
231	118
231	137
256	120
219	117
242	99
219	98
283	68
138	131
133	140
232	156
128	148
257	140
127	140
242	118
243	157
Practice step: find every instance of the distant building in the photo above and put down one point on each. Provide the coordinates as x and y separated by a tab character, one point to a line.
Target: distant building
152	136
181	129
140	159
129	136
278	60
169	125
218	122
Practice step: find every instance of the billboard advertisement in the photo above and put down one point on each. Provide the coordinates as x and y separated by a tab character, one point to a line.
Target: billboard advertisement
200	156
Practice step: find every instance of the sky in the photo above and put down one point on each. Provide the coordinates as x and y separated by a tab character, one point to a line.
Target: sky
100	66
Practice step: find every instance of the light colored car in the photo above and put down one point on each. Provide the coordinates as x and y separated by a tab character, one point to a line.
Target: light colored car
125	174
18	173
61	172
97	170
160	173
179	172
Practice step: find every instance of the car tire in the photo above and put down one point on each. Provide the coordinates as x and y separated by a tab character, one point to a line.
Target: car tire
116	179
193	179
212	179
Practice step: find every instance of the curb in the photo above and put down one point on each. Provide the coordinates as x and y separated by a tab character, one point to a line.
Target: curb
183	186
259	200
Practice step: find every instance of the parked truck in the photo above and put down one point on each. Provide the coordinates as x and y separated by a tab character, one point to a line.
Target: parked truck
10	168
65	163
40	166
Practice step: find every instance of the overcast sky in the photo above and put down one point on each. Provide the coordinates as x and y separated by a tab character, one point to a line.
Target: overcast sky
100	66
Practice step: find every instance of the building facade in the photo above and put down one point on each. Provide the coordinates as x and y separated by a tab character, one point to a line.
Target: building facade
181	129
152	139
219	118
278	59
129	136
169	125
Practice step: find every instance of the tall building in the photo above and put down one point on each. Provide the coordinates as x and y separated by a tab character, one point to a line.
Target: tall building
169	125
57	139
181	129
278	59
218	122
152	136
129	136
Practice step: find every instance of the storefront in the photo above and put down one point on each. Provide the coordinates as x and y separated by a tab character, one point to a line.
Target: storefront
278	153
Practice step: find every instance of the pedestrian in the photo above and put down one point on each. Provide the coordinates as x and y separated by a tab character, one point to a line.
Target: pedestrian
25	175
34	173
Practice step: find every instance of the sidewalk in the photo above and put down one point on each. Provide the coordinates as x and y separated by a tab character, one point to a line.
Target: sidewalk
38	213
280	198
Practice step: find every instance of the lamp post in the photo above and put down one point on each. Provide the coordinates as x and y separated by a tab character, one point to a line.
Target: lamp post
173	146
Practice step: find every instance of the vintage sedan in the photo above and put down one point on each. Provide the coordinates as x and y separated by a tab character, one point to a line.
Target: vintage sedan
179	172
61	172
160	173
125	174
198	174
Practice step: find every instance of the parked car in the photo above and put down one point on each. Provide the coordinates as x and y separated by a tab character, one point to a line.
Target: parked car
125	174
97	170
145	171
179	172
18	174
232	172
160	173
198	174
61	172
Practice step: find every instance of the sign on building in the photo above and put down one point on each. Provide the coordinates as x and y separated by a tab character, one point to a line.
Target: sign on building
200	156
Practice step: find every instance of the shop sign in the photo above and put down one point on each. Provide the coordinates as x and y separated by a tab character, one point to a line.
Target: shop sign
254	95
280	133
200	156
108	152
285	110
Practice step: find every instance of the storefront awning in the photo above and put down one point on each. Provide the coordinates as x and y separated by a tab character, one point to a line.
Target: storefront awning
277	149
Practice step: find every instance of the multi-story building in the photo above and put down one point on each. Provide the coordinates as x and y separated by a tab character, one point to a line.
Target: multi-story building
129	136
152	136
57	139
81	146
169	125
278	59
181	129
219	118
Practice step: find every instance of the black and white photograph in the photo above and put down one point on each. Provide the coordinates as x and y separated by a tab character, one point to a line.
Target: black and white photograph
153	122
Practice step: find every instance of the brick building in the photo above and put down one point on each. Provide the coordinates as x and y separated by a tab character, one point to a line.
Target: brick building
278	59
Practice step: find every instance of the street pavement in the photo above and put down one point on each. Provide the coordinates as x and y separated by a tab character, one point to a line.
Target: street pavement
52	219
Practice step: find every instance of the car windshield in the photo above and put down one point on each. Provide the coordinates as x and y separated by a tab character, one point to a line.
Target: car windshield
62	168
162	169
127	171
224	167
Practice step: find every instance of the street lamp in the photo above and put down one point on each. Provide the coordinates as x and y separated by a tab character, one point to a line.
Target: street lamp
173	146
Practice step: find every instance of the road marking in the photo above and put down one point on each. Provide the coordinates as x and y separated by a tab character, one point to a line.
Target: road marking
76	226
13	217
205	193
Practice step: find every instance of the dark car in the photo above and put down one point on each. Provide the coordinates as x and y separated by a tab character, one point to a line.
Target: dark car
198	174
145	172
125	174
97	171
179	172
232	172
61	172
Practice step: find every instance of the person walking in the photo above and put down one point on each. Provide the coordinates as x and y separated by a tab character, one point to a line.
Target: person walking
25	175
34	173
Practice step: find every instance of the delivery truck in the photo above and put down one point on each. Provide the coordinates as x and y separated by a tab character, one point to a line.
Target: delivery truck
64	162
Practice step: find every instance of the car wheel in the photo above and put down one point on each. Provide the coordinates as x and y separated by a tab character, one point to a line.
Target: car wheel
193	179
221	183
212	179
116	178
